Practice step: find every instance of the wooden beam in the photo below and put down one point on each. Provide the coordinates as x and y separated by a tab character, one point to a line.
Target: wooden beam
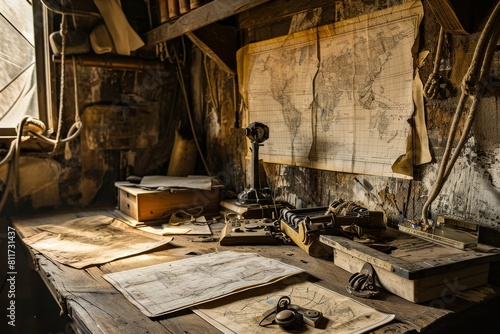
114	62
79	8
197	18
277	10
219	43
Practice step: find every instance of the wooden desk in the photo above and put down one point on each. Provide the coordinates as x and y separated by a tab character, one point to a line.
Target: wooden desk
95	306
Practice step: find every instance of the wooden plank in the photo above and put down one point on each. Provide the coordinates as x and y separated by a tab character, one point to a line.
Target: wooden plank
422	289
277	10
95	306
125	63
394	328
93	303
460	16
219	43
150	205
421	258
197	18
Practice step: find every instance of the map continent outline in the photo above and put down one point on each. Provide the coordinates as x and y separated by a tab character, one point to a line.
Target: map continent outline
337	97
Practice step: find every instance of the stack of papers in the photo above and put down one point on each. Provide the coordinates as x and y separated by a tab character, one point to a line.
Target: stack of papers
161	227
199	226
161	182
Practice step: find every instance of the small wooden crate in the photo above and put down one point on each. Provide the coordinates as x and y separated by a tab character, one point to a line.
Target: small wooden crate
417	270
146	205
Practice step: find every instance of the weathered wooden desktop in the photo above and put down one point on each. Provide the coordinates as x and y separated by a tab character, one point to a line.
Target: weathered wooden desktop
95	306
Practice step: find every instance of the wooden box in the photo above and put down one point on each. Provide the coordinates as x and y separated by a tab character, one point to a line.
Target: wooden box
146	205
415	269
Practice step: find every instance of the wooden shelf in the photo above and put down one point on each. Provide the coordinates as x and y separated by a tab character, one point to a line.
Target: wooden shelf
205	15
219	42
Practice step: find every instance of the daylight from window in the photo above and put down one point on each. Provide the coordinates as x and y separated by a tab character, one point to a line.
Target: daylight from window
17	63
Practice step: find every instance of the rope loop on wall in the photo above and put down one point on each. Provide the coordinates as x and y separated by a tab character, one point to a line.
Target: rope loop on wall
473	85
432	86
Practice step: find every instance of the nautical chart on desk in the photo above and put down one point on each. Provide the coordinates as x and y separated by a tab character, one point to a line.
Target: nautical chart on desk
337	97
242	313
172	286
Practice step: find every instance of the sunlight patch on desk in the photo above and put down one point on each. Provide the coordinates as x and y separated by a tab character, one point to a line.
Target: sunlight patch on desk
94	240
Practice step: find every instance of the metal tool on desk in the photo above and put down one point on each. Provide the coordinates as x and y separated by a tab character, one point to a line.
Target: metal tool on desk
304	226
240	231
257	133
256	201
362	284
290	316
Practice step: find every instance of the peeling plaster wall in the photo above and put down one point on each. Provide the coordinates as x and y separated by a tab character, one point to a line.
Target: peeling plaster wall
473	188
88	173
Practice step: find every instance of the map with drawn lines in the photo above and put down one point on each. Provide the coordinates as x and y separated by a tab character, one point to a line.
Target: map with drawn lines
176	285
337	97
241	313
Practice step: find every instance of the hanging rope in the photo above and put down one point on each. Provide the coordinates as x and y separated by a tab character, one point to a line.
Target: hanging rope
473	85
64	30
23	129
431	87
12	157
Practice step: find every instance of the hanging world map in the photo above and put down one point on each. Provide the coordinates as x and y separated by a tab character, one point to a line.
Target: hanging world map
336	97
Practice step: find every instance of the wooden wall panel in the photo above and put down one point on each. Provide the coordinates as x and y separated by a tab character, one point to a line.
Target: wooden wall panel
473	189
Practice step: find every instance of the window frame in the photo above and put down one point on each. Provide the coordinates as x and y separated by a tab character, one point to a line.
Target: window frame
42	21
44	66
